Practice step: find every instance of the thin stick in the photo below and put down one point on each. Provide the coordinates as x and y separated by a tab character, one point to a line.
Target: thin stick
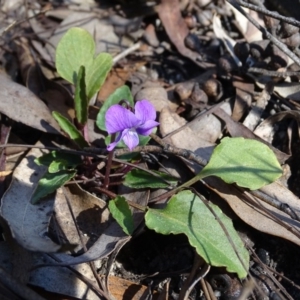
126	52
273	14
273	73
275	41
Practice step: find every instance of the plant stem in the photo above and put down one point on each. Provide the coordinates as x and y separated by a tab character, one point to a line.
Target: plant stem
108	164
137	206
174	191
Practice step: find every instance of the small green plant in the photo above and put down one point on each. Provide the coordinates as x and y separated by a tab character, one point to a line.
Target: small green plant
75	62
247	163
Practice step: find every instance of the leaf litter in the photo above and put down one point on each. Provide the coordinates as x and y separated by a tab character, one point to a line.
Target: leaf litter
208	78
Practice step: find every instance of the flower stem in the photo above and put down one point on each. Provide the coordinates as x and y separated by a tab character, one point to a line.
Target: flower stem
108	164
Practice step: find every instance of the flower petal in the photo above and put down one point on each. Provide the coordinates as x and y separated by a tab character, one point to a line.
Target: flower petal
147	127
112	145
131	139
144	111
118	118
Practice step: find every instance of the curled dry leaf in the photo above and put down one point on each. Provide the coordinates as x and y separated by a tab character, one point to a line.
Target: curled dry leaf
249	31
175	26
265	129
199	135
259	214
57	97
103	237
239	130
28	223
254	116
124	289
290	90
91	215
21	105
108	233
57	280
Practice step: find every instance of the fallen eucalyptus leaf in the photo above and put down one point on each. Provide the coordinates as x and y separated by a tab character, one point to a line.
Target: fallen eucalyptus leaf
28	223
21	105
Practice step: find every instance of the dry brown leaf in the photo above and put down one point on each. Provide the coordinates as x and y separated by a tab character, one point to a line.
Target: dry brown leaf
21	105
111	233
243	99
123	289
91	215
25	57
259	214
254	116
57	97
239	130
290	90
116	78
57	280
265	129
185	138
250	32
176	28
28	223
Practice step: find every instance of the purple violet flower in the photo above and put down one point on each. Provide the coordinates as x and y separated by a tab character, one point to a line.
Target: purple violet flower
128	125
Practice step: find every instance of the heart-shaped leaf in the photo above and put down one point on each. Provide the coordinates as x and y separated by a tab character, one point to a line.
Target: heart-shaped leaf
76	49
248	163
187	213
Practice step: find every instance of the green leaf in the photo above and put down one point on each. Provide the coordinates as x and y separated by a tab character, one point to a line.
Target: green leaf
97	73
49	183
72	160
70	129
121	93
187	213
80	97
76	49
248	163
60	165
139	179
119	209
